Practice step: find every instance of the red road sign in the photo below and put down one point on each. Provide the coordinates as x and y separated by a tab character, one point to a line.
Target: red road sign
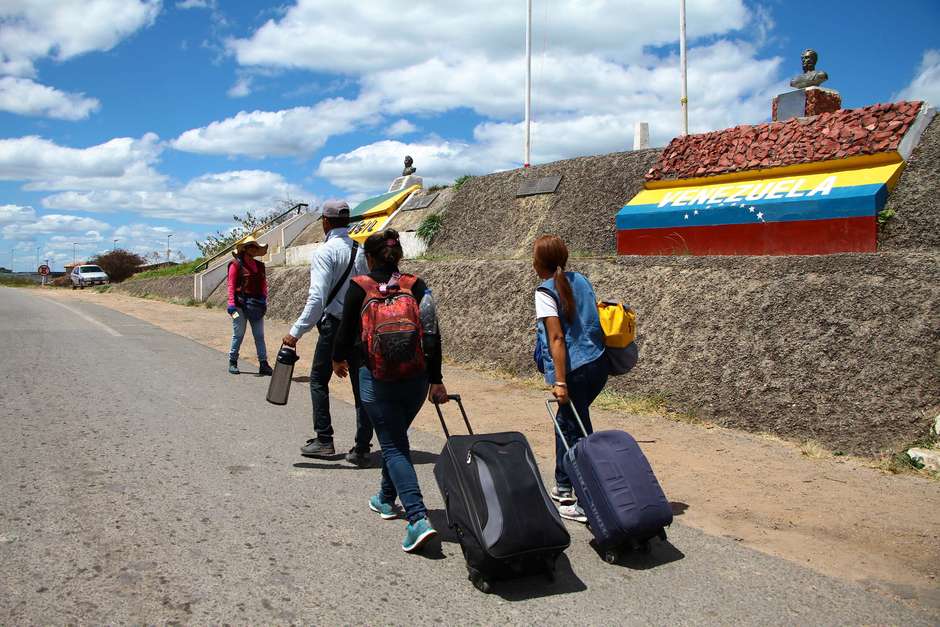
43	270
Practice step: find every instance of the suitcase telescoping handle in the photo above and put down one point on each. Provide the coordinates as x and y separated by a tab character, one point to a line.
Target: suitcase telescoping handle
453	397
554	417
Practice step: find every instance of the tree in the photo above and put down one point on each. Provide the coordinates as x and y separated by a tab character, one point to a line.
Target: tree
119	264
244	225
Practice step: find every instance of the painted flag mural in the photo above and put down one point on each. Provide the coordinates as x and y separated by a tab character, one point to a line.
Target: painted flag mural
790	213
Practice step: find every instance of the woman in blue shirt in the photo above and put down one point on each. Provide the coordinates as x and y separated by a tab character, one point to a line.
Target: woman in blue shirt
572	353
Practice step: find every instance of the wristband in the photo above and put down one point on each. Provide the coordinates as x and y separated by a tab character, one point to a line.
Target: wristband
561	384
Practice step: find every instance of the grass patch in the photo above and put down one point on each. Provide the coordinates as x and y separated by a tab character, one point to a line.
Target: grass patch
460	181
179	270
436	188
814	450
430	227
901	462
16	281
103	289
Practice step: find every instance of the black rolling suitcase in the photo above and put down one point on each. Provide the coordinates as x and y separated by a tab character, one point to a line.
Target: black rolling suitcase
616	488
497	505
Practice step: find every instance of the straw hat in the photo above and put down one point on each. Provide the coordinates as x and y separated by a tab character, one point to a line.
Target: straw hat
248	241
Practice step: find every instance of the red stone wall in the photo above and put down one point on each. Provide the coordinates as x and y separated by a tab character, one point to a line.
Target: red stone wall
819	101
843	133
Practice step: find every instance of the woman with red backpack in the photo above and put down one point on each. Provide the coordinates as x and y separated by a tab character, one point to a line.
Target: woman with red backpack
390	319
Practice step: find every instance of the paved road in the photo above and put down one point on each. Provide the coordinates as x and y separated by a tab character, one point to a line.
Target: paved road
139	482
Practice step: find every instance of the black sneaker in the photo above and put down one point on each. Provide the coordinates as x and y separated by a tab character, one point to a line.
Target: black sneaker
264	370
359	458
233	367
316	448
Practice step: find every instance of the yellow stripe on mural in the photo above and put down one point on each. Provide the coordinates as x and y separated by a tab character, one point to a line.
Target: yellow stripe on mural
391	204
789	186
848	163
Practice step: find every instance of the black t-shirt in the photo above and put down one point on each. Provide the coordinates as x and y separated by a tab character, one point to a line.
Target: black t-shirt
349	337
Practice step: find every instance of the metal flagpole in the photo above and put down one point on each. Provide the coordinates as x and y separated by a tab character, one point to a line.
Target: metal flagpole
528	83
684	100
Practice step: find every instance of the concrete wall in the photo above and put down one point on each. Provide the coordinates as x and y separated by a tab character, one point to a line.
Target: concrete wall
842	349
485	219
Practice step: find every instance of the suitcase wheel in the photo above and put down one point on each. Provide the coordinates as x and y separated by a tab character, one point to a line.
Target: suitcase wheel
480	583
611	556
662	534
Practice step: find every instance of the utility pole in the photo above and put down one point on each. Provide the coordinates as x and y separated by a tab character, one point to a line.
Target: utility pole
168	246
114	247
74	249
684	99
528	84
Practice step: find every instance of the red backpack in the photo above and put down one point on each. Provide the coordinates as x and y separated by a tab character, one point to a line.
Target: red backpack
391	328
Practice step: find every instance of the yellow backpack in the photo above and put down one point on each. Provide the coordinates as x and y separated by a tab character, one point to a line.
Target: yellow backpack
618	322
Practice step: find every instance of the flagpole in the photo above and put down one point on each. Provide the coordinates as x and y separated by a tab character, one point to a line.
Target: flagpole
684	100
528	84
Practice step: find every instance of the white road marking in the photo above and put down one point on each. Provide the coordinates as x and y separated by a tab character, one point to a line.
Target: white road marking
85	316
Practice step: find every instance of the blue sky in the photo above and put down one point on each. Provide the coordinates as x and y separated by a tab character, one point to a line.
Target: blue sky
135	119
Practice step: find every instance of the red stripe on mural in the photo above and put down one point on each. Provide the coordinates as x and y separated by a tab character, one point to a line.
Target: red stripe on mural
807	237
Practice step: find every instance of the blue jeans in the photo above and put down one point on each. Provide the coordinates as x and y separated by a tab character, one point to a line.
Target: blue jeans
392	406
321	371
584	384
239	325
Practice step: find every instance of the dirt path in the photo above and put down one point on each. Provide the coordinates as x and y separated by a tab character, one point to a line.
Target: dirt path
835	515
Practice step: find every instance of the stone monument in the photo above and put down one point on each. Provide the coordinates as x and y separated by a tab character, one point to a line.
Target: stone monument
809	98
409	166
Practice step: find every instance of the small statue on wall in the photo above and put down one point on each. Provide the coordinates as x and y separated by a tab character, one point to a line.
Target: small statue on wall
409	166
810	77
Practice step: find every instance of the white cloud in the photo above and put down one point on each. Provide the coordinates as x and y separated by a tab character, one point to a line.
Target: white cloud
31	30
588	106
207	199
401	127
14	214
55	225
310	33
24	96
241	88
289	132
926	84
594	74
121	163
196	4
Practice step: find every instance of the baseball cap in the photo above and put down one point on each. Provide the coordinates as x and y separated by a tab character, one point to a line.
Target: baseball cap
335	209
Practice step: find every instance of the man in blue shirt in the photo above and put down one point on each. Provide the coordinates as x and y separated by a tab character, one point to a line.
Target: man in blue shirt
332	265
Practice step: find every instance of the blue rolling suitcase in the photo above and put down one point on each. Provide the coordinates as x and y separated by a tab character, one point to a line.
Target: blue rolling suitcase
617	489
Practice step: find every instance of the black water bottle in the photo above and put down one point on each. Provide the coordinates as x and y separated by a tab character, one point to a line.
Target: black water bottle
279	388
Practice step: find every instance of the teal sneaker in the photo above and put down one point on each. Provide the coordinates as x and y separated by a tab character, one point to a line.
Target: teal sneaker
388	511
416	534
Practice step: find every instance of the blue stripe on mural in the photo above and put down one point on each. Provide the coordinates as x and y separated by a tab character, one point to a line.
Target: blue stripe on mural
842	202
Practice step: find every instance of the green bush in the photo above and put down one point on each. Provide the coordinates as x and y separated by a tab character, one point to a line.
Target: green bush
429	227
461	180
119	264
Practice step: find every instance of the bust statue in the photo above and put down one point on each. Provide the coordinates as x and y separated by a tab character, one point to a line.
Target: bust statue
409	166
810	77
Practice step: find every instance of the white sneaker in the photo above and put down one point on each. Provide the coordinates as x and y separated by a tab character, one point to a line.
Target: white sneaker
573	512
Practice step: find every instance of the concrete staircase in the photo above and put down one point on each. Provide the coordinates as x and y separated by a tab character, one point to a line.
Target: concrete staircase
277	238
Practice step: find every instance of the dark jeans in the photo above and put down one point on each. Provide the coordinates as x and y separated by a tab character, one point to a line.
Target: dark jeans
320	374
584	384
392	406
